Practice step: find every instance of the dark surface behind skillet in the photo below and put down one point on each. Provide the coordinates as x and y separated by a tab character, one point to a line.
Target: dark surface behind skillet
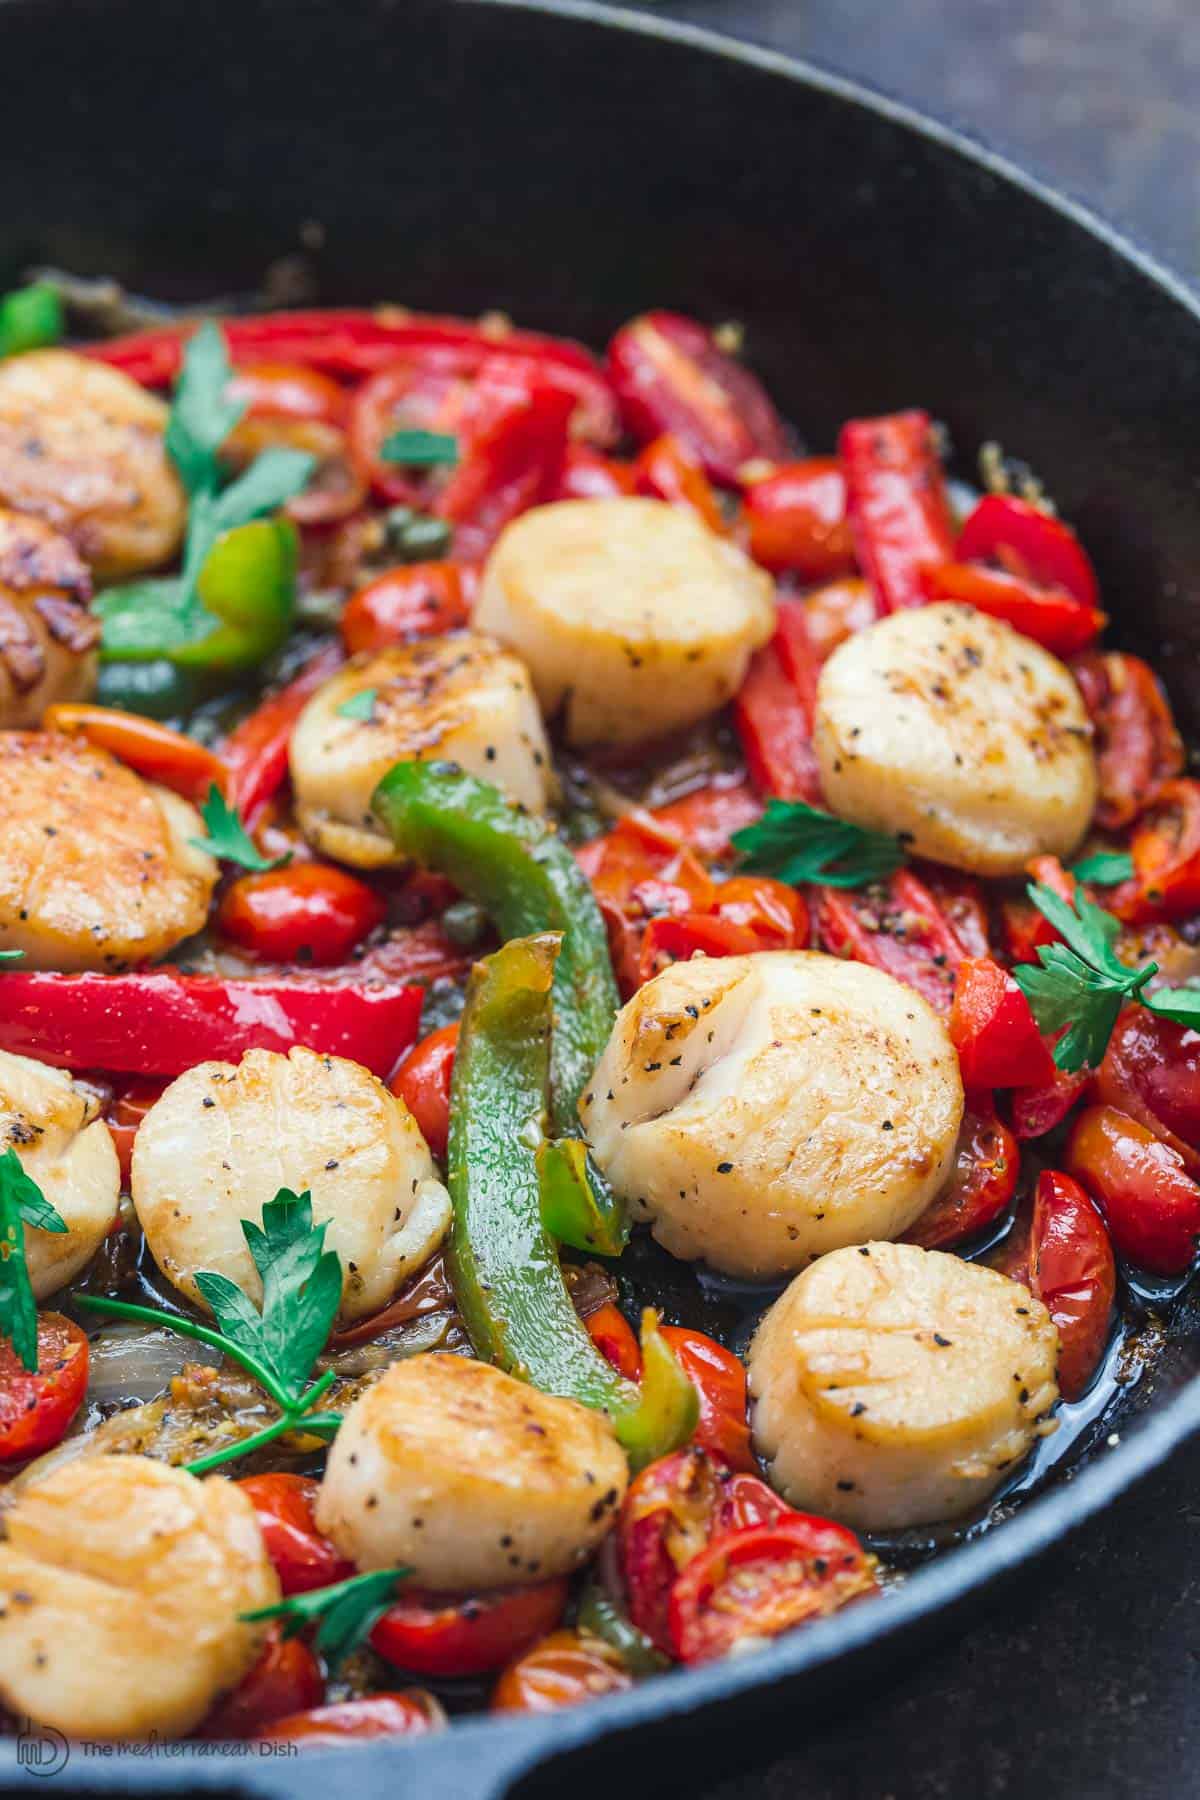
467	156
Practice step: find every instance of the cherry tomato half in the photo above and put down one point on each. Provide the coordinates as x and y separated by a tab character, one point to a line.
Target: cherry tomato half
1036	1110
309	912
994	1031
1150	1203
763	1580
286	1679
720	1380
1166	858
666	1519
678	939
668	470
774	912
1151	1070
423	1083
1073	1272
446	1636
421	600
836	611
278	390
613	1337
586	475
896	926
986	1166
1138	748
411	1714
796	519
36	1408
154	750
334	492
303	1557
565	1669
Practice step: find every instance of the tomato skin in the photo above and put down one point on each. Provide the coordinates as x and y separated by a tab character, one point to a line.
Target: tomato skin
440	1635
670	375
308	912
994	1030
796	519
420	600
707	819
125	1114
1074	1274
287	390
411	1714
613	1337
1050	616
36	1408
423	1083
1150	1204
586	475
981	1188
678	939
720	1380
896	926
836	611
1166	858
765	1579
1138	749
1037	1110
286	1679
667	470
1025	541
565	1669
154	750
774	912
303	1557
1151	1070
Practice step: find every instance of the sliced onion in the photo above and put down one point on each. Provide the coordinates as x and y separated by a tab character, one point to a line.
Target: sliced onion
132	1362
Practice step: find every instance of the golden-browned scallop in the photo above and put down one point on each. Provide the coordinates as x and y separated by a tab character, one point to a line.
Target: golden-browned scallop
761	1110
224	1138
48	635
634	618
469	1477
954	731
460	699
896	1386
82	447
97	867
62	1142
121	1581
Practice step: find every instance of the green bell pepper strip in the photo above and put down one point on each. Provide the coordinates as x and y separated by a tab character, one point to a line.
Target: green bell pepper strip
605	1620
503	1262
570	1210
30	318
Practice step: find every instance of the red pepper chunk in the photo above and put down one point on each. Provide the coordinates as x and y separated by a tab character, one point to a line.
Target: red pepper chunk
160	1023
1026	542
896	503
994	1031
719	1378
774	711
896	926
256	751
1073	1272
1050	616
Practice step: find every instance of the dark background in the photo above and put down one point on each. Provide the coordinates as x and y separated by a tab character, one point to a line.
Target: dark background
1083	1681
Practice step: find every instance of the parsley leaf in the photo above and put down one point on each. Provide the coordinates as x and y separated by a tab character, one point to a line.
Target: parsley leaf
11	955
420	449
358	706
1182	1004
797	843
1082	984
346	1613
1105	869
228	838
202	415
22	1203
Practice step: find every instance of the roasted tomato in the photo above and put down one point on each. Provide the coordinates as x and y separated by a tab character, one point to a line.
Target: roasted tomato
423	1083
1073	1273
836	611
613	1337
764	1579
1138	748
36	1407
979	1191
410	1714
309	912
126	1112
586	475
1150	1203
993	1030
303	1557
277	390
438	1634
1036	1110
421	600
896	926
1020	538
1151	1070
154	750
720	1380
774	912
667	470
565	1669
796	520
666	1519
1166	858
286	1679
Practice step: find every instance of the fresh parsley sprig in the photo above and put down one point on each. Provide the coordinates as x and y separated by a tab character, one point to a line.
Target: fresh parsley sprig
359	706
1104	868
795	843
22	1203
1082	984
277	1344
420	449
345	1613
227	838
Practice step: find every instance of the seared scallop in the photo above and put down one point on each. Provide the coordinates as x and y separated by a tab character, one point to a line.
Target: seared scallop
62	1142
761	1110
48	636
954	731
469	1477
634	618
121	1582
895	1386
97	867
223	1139
460	699
82	447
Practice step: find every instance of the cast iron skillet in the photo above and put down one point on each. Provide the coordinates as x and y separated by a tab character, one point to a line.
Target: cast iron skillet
574	165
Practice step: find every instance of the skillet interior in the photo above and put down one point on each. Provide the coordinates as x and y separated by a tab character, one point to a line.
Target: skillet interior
481	153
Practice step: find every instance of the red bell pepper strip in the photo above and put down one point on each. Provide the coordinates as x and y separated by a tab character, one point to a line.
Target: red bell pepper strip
154	750
256	751
1150	1203
160	1023
1073	1272
1052	617
775	708
1138	749
669	374
896	926
1030	544
354	344
896	503
796	520
994	1031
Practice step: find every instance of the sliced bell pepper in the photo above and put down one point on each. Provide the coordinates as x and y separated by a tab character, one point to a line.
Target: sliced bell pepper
796	519
896	503
162	1023
256	751
994	1031
1050	616
774	711
154	750
503	1261
1031	544
667	470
